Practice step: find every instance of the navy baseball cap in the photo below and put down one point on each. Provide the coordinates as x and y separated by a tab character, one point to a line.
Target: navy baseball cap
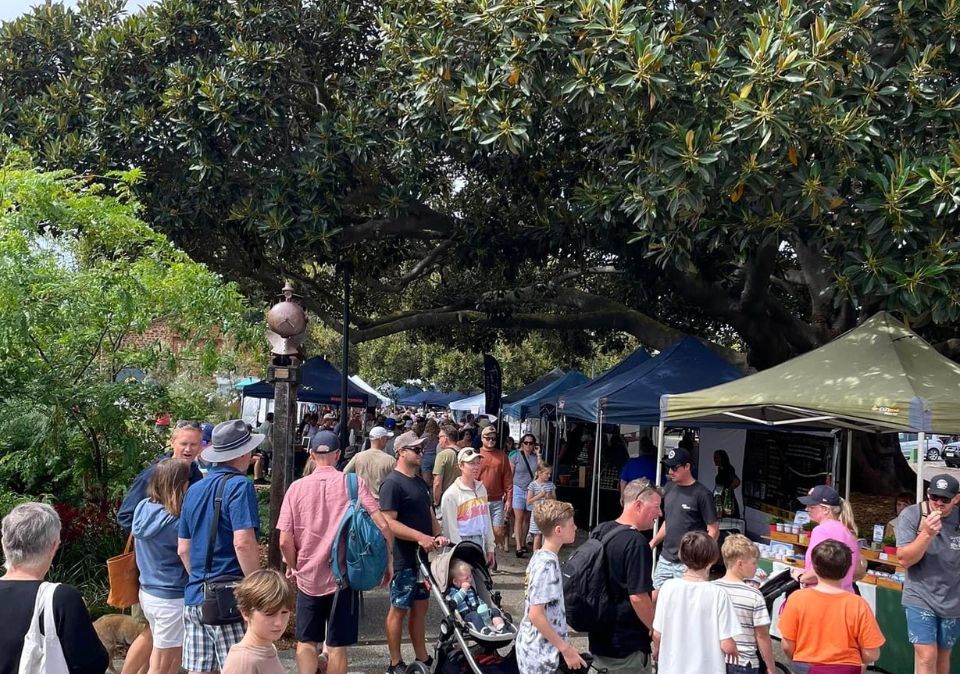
324	442
676	457
822	494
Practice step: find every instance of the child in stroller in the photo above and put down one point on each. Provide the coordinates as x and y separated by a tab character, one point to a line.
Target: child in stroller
466	644
468	604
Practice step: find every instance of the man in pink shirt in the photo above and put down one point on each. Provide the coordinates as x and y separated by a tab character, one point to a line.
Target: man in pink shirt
309	518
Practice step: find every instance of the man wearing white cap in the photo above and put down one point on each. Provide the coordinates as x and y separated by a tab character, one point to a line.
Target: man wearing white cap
234	549
466	511
373	464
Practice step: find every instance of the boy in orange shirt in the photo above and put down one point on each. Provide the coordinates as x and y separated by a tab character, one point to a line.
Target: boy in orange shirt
825	629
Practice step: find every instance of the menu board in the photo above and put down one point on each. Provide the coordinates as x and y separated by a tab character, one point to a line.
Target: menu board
779	467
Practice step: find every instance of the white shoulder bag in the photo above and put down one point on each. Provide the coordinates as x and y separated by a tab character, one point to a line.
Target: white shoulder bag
42	652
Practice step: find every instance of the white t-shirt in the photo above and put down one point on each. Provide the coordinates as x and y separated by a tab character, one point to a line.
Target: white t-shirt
693	617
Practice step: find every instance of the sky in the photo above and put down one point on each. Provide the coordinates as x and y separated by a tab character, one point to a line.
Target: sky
10	9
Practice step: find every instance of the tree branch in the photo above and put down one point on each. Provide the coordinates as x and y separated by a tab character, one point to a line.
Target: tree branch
419	222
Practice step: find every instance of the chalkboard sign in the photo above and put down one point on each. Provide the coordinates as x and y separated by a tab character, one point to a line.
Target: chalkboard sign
779	467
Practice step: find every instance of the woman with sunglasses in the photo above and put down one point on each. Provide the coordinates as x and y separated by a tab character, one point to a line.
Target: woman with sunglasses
834	519
524	466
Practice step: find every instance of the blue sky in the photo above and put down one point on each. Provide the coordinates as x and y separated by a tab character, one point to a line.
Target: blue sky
10	9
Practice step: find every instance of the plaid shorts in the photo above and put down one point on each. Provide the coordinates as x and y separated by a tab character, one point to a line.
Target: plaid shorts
205	647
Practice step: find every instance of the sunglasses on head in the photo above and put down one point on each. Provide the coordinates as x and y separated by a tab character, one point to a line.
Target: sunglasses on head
185	423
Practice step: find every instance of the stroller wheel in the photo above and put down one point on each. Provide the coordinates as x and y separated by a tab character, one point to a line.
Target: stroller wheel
417	667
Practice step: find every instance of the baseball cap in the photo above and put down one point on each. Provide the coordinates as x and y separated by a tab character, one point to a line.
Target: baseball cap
821	495
489	430
408	439
467	454
325	439
378	432
329	416
944	485
390	423
676	457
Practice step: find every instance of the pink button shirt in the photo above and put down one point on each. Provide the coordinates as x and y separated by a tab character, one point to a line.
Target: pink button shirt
312	510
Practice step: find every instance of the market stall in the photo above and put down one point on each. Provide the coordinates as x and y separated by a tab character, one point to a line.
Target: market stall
879	377
631	395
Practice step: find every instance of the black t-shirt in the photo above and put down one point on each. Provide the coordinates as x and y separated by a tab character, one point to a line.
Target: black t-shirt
81	647
629	569
410	498
685	509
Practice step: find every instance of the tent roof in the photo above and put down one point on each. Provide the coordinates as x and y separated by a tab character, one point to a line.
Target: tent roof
633	396
530	404
433	398
880	376
319	383
534	386
356	379
592	389
476	404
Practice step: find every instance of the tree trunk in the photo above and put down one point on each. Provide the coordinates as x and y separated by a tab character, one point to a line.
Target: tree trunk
878	465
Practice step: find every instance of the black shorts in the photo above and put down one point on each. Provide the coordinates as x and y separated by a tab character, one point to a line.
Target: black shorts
315	624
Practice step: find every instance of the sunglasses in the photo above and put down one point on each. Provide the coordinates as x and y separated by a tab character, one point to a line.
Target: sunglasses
416	449
939	499
527	442
492	436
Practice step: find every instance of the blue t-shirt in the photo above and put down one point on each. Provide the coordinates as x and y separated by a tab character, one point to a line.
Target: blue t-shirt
639	466
238	511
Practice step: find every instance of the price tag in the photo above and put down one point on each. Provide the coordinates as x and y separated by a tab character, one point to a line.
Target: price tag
801	517
878	533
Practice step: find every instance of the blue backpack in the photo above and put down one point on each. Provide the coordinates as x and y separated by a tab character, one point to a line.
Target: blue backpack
366	548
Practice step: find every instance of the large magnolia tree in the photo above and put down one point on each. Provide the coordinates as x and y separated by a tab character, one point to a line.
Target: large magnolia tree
762	173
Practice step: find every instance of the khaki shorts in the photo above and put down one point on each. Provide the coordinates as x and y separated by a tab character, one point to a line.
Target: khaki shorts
637	662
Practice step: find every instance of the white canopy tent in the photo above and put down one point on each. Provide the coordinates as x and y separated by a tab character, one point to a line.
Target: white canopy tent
357	381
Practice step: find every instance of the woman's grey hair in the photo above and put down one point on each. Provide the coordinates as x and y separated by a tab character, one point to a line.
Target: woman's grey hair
29	531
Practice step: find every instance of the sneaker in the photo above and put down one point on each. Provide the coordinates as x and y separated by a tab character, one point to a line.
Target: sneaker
398	668
428	662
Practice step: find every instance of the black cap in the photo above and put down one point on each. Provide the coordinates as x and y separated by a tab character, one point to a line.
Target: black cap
676	457
944	485
822	494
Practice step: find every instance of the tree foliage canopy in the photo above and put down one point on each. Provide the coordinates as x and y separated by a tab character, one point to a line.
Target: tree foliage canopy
82	278
762	172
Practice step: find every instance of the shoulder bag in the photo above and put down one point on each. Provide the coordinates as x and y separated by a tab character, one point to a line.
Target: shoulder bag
124	578
42	652
219	606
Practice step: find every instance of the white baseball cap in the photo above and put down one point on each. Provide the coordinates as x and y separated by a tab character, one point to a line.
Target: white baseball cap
378	432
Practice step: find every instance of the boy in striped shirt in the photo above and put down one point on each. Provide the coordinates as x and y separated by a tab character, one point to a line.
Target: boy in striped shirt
740	557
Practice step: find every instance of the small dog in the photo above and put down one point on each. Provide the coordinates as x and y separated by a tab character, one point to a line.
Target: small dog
116	631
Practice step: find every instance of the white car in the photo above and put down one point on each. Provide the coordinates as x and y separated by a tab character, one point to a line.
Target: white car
909	441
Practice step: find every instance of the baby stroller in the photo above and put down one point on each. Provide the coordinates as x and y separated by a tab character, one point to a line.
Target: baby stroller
775	586
461	647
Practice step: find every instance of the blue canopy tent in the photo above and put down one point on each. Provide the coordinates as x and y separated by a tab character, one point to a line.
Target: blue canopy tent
530	404
404	395
434	398
628	364
536	385
319	383
633	397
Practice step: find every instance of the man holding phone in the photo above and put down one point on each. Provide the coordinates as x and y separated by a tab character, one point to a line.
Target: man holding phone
928	546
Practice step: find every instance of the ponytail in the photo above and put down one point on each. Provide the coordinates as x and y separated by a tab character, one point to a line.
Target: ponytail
844	513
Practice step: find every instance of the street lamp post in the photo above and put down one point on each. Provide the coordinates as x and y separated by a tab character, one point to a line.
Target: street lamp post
288	325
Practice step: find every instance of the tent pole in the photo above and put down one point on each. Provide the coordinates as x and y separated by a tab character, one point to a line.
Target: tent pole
921	455
846	485
660	444
595	478
241	404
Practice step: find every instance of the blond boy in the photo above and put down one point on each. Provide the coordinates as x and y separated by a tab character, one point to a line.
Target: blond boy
542	639
265	600
740	557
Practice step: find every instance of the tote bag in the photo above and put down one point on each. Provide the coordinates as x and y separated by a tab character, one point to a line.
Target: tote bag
42	653
124	578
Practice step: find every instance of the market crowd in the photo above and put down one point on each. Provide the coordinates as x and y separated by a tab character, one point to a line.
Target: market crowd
428	482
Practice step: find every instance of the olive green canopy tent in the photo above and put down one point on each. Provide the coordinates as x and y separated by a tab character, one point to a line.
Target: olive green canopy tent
878	377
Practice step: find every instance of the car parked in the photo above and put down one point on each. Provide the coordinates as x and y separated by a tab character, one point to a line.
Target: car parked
909	441
951	454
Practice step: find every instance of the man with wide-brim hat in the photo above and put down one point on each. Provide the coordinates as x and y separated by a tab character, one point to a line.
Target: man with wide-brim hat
928	546
234	551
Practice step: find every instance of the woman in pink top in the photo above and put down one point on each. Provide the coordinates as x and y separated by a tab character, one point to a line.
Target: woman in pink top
834	519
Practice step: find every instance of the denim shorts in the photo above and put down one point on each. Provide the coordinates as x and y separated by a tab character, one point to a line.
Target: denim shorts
520	499
926	627
496	514
665	571
406	588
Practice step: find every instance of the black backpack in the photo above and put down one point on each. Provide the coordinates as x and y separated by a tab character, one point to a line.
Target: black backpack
586	584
